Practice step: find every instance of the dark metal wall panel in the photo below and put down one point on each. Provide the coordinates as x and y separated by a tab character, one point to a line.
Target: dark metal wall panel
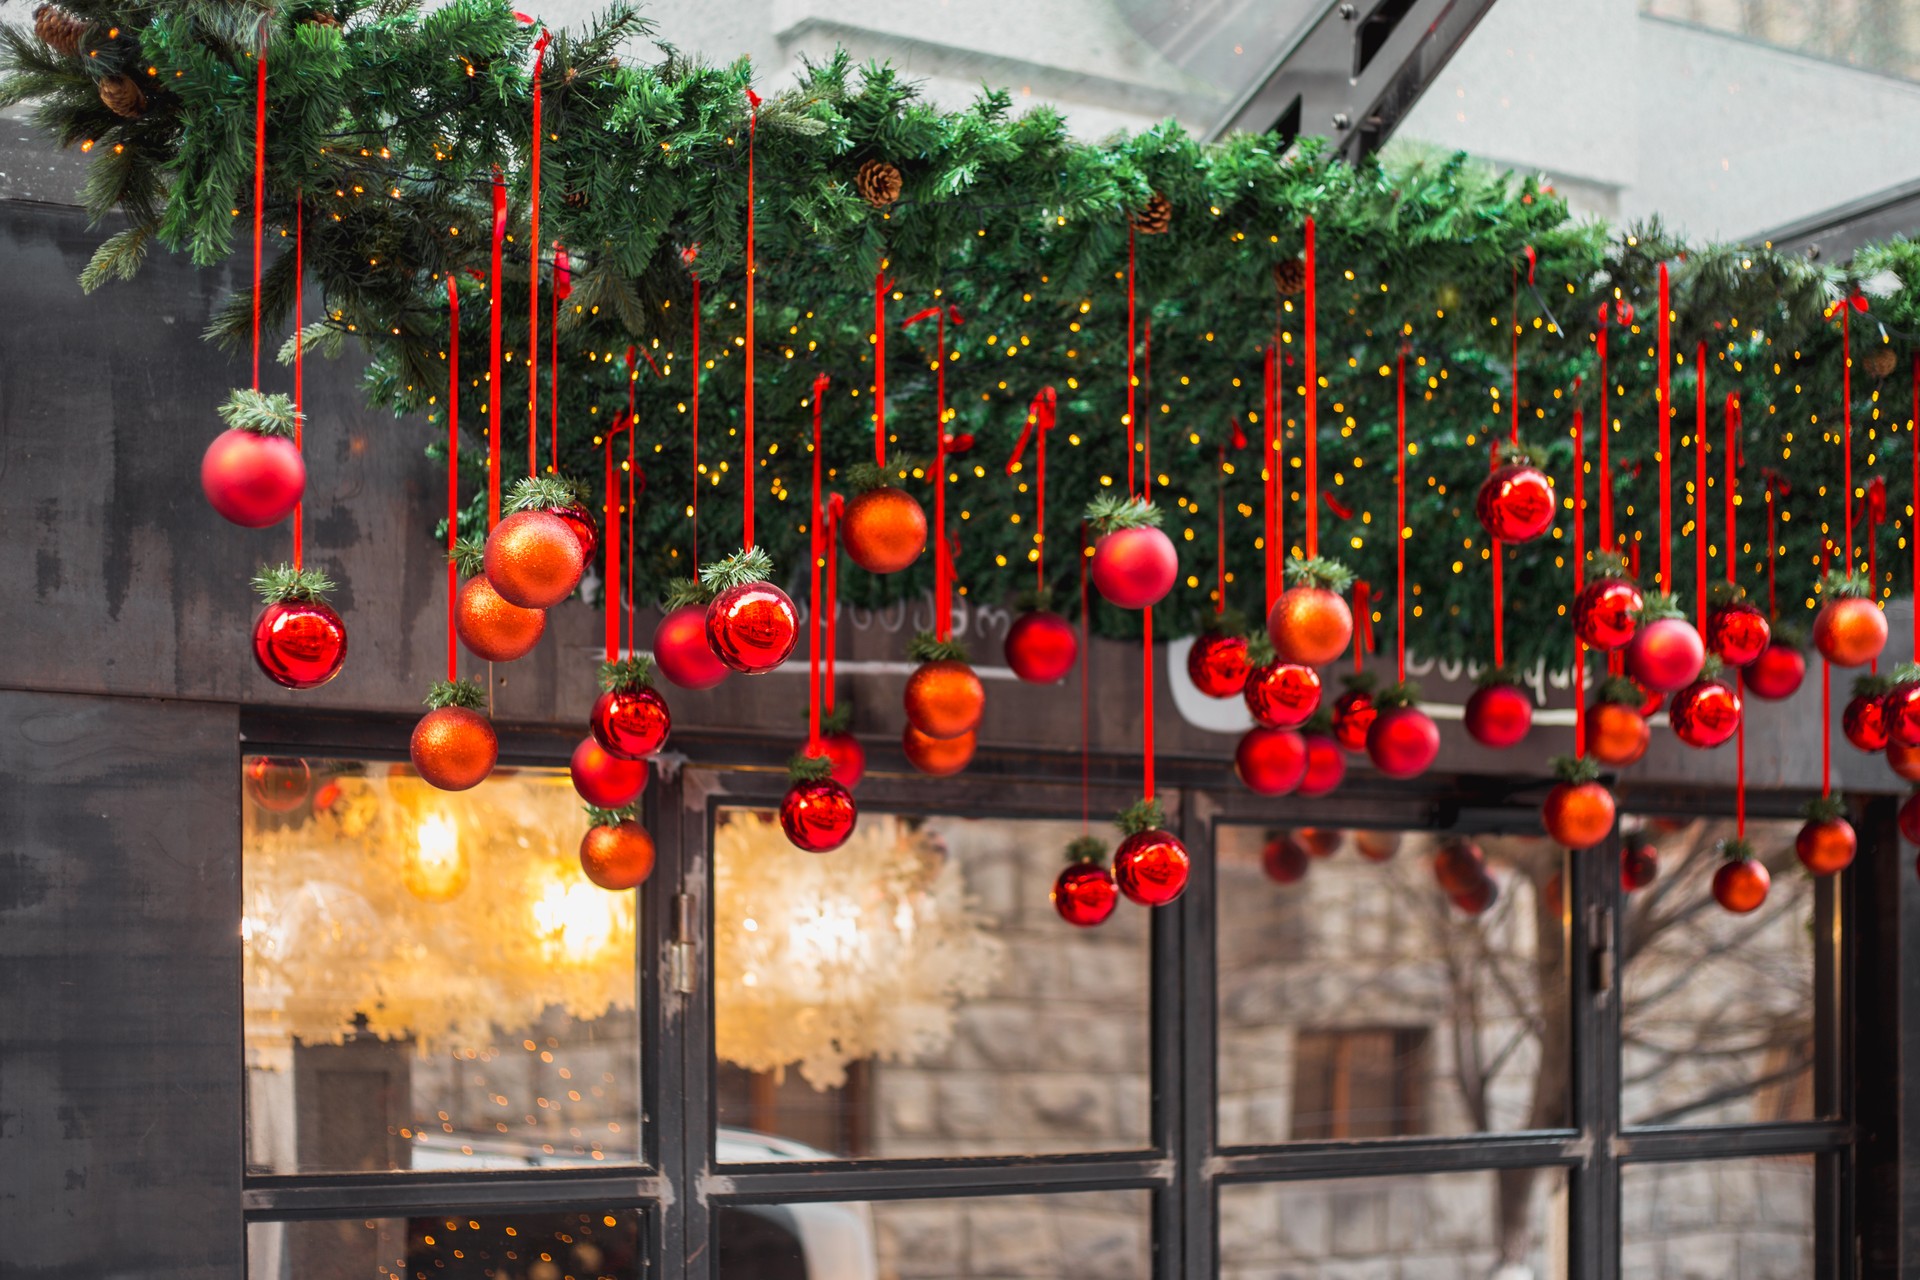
120	1048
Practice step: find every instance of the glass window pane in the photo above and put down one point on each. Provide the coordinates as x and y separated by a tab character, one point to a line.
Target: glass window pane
1506	1223
1104	1235
913	993
1718	1220
600	1244
1358	999
431	981
1717	1008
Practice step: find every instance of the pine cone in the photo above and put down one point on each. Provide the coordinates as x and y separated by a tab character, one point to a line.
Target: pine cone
321	18
1290	277
123	96
59	29
576	199
1155	218
878	183
1880	361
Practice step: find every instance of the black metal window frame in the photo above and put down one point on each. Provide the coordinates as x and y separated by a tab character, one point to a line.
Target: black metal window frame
680	1187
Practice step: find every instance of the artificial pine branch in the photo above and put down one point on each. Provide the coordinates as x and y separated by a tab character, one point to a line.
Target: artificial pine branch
1607	565
685	591
806	768
838	720
1836	584
469	556
260	412
1328	575
118	258
1141	815
1089	849
598	817
322	337
927	647
738	569
1114	511
628	675
1736	849
538	493
1872	685
1657	606
1404	694
1575	769
1824	808
281	583
1618	691
1724	593
456	693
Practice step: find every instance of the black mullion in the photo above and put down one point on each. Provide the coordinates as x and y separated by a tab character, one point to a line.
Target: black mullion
1833	1240
1682	1144
696	1256
915	1179
1593	1227
1185	1055
1468	1153
664	1119
402	1195
1881	922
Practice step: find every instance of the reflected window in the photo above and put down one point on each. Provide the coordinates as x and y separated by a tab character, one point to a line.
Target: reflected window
1368	1082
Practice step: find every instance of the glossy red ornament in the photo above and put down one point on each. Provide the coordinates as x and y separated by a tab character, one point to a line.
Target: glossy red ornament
1151	867
1310	625
1326	764
1270	762
883	529
453	748
1578	814
1604	612
1516	503
1849	631
818	816
1639	865
580	520
603	779
1737	632
1826	845
848	756
944	698
1649	701
1865	722
1084	894
1909	818
277	785
1353	715
1403	742
1458	865
630	723
752	627
299	644
1777	673
1042	647
1134	568
533	559
1741	885
1217	664
936	757
1284	859
1617	735
253	480
617	857
492	627
1477	898
1282	695
1901	713
1499	715
682	651
1904	761
1666	654
1705	713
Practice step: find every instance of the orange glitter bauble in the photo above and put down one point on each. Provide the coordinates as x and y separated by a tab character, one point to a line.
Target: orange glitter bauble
944	698
492	628
1578	814
937	757
1904	761
453	748
1310	625
1826	845
534	559
884	529
617	857
1850	631
1616	735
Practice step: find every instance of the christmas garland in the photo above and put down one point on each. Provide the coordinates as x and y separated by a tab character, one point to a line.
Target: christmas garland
386	125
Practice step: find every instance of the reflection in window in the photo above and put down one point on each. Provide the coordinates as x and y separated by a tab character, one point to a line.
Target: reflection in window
599	1245
1717	1009
1718	1220
1376	984
431	982
913	993
1879	35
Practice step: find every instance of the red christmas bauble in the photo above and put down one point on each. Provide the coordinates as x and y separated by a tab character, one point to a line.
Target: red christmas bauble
1904	761
1705	713
453	748
1499	715
580	520
1458	865
1151	867
1901	712
1865	723
1578	814
1666	654
848	756
1282	695
1084	894
1516	503
603	779
1910	818
1604	612
1217	664
1738	632
1477	898
533	559
493	628
1639	864
683	652
936	757
617	857
1321	842
944	698
1777	673
253	480
752	627
1376	846
1649	700
1616	735
1402	742
1042	647
630	723
1826	845
1310	625
1353	715
884	530
279	785
1326	764
1134	568
299	644
1284	859
1271	762
1741	886
1849	631
818	816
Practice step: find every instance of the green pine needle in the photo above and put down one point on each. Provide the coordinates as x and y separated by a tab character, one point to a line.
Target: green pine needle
1724	593
927	647
1619	691
682	592
1141	815
538	493
1260	650
1603	565
469	556
1328	575
281	583
598	817
119	257
261	413
1113	511
1090	849
806	768
1657	606
838	720
1838	585
738	569
456	693
1824	808
1404	694
1575	769
628	675
1872	685
1736	849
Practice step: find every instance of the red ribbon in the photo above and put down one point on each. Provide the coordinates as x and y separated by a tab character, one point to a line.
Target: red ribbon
299	362
942	549
1272	481
1040	420
1146	395
1734	460
1339	508
533	264
1666	433
1873	512
693	507
1362	621
259	188
1220	536
612	539
1579	580
749	480
1846	415
1146	701
1913	522
1310	459
453	464
1400	518
496	376
562	290
1606	430
836	505
633	419
816	546
880	286
1700	487
1133	489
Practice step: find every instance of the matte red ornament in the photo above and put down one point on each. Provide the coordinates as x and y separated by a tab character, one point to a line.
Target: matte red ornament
1477	898
580	520
630	723
682	651
1134	568
1403	742
1777	673
1218	665
493	628
533	559
1151	867
1284	859
617	857
1666	654
253	480
1458	865
1705	713
1741	885
1639	865
1499	715
1909	818
1326	764
1042	647
278	785
1310	625
1578	814
1271	762
1826	845
1901	714
1353	715
752	627
944	698
299	644
1617	735
1605	612
883	529
603	779
1084	894
1865	722
1849	631
1516	503
1738	633
936	757
1904	761
1321	842
1282	695
848	756
818	816
453	748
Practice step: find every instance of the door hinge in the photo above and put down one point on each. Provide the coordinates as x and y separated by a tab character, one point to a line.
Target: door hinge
683	966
